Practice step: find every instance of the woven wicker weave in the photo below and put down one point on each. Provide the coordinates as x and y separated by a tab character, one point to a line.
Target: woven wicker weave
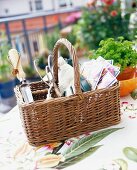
47	121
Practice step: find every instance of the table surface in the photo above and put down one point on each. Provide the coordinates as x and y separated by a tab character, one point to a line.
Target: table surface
16	153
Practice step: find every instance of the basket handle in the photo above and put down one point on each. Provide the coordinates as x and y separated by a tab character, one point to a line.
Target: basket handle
72	51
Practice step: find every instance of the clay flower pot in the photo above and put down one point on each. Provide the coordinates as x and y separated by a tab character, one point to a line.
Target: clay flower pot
128	73
7	89
127	86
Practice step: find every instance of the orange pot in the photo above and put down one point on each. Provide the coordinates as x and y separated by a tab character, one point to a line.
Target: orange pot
127	86
128	73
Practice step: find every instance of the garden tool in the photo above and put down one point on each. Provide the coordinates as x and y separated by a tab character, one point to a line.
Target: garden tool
51	78
52	85
85	86
48	79
15	60
66	76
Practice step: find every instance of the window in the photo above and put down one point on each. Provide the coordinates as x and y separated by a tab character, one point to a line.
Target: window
23	47
62	3
35	46
38	4
30	6
65	3
70	3
6	11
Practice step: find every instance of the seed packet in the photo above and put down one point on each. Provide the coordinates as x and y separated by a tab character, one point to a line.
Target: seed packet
107	80
86	64
113	69
110	61
102	74
116	71
92	71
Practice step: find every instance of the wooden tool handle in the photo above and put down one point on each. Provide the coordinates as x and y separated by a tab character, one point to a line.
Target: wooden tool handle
15	60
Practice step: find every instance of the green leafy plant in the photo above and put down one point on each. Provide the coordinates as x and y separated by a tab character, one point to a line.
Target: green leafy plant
134	94
120	50
71	37
100	23
30	72
51	38
5	67
43	59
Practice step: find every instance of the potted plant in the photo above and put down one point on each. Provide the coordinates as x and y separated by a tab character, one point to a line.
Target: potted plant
7	82
99	22
43	59
31	74
51	38
123	54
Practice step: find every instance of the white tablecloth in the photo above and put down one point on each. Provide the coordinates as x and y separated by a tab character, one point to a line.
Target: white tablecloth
17	154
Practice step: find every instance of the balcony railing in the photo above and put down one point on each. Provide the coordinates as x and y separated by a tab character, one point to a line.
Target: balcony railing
28	36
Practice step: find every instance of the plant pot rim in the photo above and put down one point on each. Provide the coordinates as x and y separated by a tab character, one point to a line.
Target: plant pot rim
7	81
127	73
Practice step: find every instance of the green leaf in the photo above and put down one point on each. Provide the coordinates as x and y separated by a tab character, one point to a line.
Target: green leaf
122	163
134	94
87	142
130	153
77	158
120	50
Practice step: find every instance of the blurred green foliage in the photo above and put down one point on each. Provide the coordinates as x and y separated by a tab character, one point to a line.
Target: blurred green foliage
100	23
52	37
120	50
30	72
5	67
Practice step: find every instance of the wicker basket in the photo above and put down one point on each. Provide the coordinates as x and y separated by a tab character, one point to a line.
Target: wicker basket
47	121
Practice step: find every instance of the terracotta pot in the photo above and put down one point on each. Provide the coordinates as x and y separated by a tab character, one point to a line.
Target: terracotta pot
127	86
128	73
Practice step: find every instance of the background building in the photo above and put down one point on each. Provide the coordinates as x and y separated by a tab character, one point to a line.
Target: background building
14	7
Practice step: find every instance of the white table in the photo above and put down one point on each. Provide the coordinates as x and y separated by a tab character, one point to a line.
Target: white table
17	154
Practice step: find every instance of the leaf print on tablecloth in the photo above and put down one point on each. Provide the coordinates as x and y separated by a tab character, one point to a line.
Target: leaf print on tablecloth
129	110
56	149
87	142
84	147
122	163
49	146
77	158
130	153
117	164
50	160
22	150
